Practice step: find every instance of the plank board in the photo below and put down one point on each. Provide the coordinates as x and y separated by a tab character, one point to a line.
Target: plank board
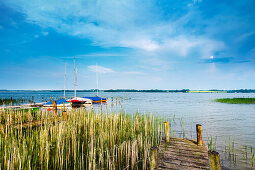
182	154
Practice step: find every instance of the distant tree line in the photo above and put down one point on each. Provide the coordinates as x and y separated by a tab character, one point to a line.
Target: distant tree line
241	91
151	90
134	90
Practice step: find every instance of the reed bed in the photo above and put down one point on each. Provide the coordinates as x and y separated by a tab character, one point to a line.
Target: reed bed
10	101
18	116
85	140
237	100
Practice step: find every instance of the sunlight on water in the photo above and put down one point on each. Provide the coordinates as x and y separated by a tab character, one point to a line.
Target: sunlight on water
229	126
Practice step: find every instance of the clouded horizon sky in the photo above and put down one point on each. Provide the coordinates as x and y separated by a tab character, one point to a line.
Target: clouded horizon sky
137	44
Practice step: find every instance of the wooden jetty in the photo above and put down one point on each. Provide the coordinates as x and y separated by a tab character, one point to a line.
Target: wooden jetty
180	153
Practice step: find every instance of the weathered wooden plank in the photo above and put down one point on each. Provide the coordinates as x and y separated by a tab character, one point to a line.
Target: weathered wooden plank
189	158
185	152
182	147
185	162
182	154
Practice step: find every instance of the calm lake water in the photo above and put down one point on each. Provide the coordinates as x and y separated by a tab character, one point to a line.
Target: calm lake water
232	126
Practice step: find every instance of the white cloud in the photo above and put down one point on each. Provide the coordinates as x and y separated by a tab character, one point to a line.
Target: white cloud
145	44
100	69
102	55
45	33
133	73
245	36
133	24
105	70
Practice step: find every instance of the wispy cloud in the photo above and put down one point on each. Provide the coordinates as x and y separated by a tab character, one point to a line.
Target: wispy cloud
45	33
100	69
106	70
224	60
136	40
102	55
133	73
131	24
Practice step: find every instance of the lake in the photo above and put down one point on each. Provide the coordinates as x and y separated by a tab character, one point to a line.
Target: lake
232	126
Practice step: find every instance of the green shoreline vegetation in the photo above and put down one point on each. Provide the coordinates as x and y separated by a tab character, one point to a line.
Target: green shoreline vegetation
237	100
85	140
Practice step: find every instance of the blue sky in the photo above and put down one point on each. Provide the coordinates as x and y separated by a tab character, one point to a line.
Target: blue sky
138	44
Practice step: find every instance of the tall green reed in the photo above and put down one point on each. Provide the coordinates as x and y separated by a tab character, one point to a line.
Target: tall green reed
85	140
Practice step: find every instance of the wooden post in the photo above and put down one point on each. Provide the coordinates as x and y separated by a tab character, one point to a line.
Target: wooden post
199	134
55	111
112	102
64	111
11	101
166	124
18	102
106	108
32	98
101	104
214	160
154	158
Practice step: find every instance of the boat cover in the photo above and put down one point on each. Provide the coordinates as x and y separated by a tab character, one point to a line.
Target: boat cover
95	98
59	101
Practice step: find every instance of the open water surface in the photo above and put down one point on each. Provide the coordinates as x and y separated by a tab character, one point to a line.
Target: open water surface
230	126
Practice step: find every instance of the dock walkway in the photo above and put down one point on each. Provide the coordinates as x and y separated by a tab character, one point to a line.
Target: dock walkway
182	153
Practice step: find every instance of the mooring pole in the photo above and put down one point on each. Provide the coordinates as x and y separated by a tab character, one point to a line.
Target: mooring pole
214	160
64	111
101	104
166	124
154	158
55	112
199	134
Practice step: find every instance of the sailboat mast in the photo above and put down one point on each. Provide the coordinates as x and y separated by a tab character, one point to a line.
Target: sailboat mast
74	77
97	79
65	84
